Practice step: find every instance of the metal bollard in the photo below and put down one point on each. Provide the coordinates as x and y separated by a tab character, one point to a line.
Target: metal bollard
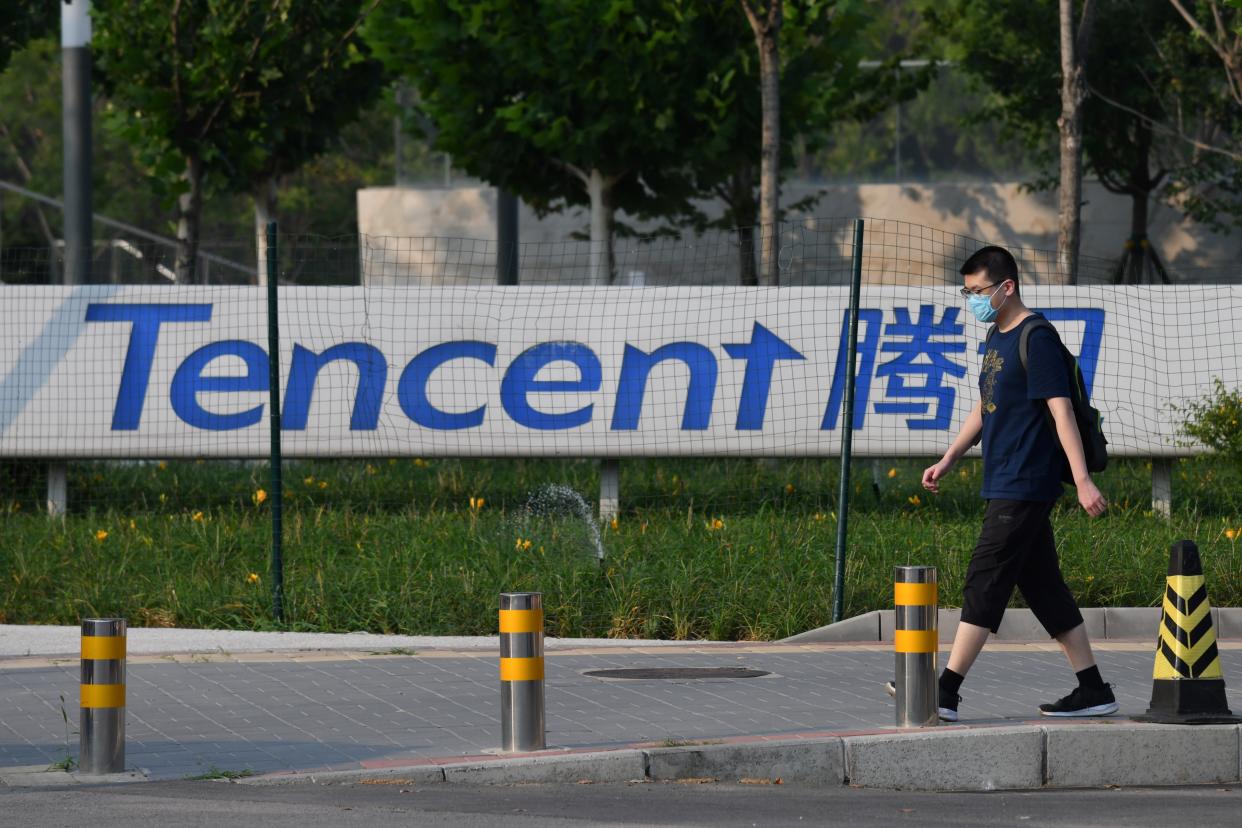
101	748
915	642
521	671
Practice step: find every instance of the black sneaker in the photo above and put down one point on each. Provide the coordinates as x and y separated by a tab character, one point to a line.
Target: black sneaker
947	704
1084	701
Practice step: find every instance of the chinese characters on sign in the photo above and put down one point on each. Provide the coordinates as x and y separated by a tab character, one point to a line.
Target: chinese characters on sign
911	358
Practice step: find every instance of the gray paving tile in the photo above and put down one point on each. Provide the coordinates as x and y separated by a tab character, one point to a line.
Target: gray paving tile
279	715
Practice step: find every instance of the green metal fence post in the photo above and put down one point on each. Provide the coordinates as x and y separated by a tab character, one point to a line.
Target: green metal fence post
273	351
847	424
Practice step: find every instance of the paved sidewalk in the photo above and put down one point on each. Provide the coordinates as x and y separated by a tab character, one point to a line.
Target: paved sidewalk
315	711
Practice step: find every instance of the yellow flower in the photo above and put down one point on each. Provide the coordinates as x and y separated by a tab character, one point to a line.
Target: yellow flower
914	500
392	461
252	578
419	462
101	535
613	523
323	484
310	480
716	523
161	465
818	516
163	497
133	525
789	488
476	503
892	473
370	469
197	516
258	497
1231	533
522	545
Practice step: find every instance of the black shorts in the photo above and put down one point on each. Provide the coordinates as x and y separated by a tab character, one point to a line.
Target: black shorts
1016	548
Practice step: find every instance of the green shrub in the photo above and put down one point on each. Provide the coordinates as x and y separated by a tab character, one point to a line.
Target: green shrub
1214	421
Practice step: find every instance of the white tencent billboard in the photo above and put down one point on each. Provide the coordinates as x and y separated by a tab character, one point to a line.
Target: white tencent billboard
106	371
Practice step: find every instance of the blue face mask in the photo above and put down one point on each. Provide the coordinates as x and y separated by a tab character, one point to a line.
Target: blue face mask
981	305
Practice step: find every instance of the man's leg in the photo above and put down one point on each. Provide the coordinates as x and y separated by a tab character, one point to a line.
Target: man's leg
1077	648
1053	604
967	643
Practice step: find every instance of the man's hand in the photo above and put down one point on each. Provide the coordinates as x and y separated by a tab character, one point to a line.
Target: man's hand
1090	498
932	475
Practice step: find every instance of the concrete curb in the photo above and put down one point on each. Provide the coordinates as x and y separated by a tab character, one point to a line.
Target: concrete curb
1103	624
1101	752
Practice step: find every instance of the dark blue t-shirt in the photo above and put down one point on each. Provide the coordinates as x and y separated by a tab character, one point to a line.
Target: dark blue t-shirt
1022	457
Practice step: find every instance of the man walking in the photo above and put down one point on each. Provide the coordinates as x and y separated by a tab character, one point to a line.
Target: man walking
1024	462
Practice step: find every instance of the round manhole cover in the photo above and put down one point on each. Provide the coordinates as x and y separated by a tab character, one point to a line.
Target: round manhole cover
678	673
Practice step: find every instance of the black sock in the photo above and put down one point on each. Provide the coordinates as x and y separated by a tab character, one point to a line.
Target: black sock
1090	678
951	682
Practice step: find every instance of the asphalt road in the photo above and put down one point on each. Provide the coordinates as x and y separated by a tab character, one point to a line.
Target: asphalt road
214	803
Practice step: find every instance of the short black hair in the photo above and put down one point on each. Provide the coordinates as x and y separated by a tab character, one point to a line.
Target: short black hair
997	261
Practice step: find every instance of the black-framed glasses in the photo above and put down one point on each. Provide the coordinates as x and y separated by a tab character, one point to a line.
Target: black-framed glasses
967	292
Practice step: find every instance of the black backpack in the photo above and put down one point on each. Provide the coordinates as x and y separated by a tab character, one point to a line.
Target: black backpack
1090	422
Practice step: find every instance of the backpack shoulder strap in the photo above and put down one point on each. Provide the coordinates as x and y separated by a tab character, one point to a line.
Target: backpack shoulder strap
1031	326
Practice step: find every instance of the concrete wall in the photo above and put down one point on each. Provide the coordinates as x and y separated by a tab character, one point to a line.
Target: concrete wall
958	215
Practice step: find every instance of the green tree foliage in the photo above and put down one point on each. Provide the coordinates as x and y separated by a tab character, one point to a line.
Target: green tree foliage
563	102
624	104
30	156
22	22
1144	70
822	87
217	93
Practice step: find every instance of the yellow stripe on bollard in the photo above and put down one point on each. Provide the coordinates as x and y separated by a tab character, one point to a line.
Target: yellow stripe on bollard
521	621
914	595
521	669
103	647
103	695
915	641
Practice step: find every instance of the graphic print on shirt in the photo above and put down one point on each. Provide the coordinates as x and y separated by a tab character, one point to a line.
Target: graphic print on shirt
992	365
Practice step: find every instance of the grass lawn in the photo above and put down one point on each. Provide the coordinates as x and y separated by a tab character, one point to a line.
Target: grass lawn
719	549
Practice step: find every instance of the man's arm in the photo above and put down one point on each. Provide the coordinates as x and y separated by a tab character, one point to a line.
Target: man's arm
1071	443
967	437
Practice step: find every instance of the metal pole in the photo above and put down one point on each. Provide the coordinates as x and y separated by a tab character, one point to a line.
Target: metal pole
521	672
75	44
75	50
847	418
506	238
273	361
915	644
101	747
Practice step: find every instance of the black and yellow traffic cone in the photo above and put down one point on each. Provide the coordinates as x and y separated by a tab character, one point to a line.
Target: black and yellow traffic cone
1187	684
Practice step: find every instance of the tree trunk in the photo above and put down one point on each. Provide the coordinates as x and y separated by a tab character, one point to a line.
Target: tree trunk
1073	93
1141	185
742	187
599	188
768	37
264	211
770	161
189	211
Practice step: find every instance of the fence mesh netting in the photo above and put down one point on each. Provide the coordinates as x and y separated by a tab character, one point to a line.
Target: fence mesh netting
413	385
